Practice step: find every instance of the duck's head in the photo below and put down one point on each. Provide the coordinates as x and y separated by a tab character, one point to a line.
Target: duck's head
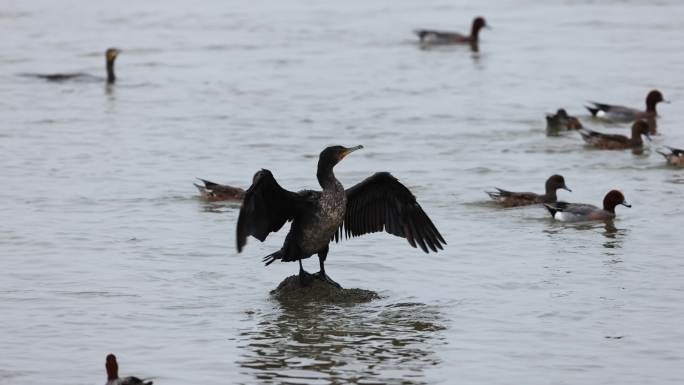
112	367
111	54
614	198
654	97
556	182
640	127
332	155
479	23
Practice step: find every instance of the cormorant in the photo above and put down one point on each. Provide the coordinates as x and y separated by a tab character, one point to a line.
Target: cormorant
219	192
110	57
378	203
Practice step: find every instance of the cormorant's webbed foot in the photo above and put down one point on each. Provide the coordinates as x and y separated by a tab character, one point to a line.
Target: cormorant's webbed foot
325	278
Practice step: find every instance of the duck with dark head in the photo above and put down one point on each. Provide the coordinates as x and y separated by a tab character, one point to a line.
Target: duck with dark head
435	37
578	212
113	374
617	142
622	114
513	199
378	203
561	121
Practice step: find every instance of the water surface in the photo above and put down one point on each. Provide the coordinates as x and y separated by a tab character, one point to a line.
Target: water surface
106	247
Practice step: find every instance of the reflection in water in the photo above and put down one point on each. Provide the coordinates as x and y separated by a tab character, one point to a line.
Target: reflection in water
332	344
220	206
614	236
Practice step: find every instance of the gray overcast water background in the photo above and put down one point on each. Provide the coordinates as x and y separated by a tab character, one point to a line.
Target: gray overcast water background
106	246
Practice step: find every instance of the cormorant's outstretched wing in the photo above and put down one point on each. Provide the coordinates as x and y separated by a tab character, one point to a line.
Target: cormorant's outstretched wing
265	209
380	203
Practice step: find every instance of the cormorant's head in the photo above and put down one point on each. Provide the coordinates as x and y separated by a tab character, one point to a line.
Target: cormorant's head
112	53
334	154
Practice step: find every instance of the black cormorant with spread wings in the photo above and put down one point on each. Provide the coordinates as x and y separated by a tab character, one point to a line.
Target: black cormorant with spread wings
378	203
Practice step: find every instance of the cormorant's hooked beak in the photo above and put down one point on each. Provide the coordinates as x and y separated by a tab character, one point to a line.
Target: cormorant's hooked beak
349	150
566	188
624	203
112	53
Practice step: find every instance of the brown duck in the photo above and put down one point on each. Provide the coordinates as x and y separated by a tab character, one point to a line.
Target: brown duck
617	142
218	192
561	121
513	199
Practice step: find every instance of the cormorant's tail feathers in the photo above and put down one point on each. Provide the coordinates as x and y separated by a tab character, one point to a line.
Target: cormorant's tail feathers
269	259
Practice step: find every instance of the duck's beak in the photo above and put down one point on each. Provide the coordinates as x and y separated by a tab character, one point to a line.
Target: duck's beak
648	137
666	101
566	188
487	26
349	150
624	203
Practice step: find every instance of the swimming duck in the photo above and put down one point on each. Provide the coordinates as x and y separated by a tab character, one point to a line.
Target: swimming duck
617	142
513	199
621	114
674	156
110	56
433	37
379	203
576	212
561	121
113	374
218	192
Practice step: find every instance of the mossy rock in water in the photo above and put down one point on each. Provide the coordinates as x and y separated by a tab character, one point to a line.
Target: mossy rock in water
290	290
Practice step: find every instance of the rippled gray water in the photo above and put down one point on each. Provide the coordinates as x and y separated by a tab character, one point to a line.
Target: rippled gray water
106	247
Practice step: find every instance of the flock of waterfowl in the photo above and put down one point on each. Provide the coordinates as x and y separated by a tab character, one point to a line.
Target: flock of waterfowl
382	203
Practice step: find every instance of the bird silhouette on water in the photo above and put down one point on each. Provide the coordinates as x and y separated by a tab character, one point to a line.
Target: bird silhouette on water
378	203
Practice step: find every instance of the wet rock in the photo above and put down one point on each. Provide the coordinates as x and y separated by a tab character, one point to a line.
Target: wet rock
290	290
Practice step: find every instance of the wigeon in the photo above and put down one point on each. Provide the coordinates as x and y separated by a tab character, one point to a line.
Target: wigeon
512	199
576	212
617	142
